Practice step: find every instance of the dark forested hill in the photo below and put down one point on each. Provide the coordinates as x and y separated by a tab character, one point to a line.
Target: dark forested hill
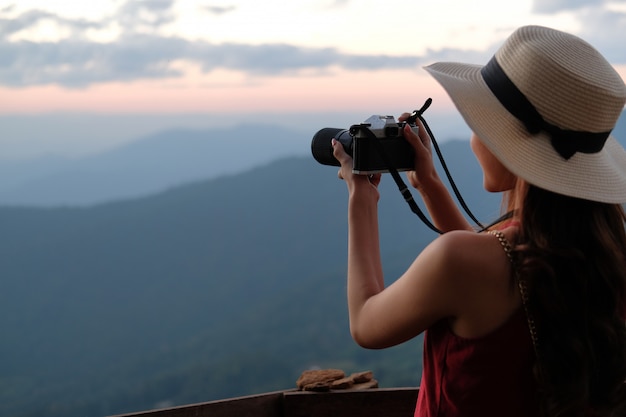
211	290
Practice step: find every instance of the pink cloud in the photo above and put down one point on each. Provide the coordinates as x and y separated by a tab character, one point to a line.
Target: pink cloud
366	91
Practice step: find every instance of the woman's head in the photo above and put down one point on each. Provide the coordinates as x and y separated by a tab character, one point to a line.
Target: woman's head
544	106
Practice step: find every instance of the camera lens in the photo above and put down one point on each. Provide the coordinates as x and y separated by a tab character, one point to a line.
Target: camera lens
322	148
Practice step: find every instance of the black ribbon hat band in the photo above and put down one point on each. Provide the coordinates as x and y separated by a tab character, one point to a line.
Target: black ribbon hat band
565	142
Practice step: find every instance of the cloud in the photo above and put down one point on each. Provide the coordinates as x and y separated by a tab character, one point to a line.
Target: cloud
12	25
131	16
141	51
155	13
555	6
80	63
339	3
219	10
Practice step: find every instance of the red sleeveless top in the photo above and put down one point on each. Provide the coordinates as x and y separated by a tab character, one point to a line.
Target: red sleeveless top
486	376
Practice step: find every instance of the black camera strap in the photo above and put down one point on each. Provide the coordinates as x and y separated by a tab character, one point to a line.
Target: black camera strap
408	197
418	115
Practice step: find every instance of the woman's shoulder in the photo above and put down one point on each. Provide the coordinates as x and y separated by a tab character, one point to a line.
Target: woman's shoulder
464	242
456	239
467	254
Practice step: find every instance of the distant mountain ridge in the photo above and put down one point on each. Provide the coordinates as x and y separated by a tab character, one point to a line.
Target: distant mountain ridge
146	166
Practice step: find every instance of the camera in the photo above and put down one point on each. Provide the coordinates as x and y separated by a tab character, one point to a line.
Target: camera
375	145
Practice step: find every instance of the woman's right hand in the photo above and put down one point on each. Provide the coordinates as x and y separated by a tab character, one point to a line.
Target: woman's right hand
424	177
424	172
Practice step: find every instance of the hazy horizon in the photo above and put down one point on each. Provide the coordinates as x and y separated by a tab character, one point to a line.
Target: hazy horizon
78	135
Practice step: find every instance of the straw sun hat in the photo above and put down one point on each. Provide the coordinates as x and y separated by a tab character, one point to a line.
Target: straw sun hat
545	106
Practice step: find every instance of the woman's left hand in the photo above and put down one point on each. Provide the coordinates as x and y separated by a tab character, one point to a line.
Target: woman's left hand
355	182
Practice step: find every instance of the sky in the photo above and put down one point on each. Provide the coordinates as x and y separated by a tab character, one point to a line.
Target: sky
80	76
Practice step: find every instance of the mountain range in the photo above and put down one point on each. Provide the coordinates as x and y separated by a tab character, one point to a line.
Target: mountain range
215	288
210	290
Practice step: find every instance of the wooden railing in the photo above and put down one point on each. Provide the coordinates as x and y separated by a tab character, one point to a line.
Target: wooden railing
387	402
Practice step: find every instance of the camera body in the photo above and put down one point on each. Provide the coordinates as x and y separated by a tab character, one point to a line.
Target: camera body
360	142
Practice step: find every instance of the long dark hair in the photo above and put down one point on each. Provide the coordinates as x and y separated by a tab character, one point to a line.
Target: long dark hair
572	254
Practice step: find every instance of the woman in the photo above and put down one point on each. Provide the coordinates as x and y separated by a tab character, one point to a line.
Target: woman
526	319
